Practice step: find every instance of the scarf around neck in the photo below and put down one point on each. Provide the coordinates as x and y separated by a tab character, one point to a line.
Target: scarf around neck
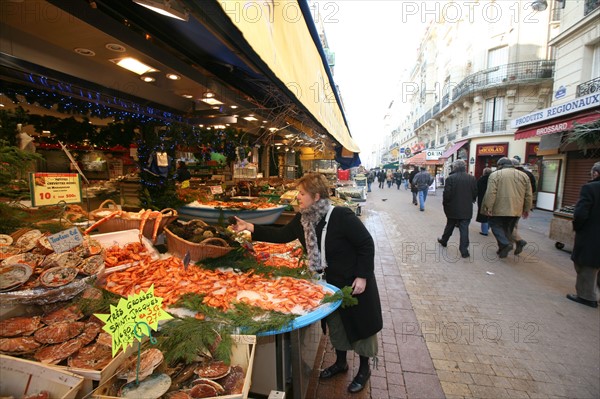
309	220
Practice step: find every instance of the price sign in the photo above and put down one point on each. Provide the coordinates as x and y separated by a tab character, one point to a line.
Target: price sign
216	190
65	240
52	188
140	307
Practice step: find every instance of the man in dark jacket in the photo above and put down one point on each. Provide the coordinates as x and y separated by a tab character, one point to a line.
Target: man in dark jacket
413	187
586	251
460	192
520	242
422	181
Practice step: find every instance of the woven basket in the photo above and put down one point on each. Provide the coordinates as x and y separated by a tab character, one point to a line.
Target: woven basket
106	206
198	251
119	224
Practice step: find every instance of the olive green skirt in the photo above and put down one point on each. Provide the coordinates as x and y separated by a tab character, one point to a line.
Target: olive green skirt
337	335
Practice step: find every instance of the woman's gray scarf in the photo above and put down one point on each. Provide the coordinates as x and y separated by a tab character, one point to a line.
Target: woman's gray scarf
309	219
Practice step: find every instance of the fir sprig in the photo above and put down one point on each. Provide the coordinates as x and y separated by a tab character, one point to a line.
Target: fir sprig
188	338
240	260
345	295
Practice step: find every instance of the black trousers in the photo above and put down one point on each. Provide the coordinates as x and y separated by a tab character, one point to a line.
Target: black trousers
463	229
503	227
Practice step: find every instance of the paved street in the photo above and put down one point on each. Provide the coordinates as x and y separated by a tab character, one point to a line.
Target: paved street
481	327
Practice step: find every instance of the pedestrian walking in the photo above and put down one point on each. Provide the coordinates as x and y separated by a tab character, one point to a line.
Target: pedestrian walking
398	178
381	178
460	192
389	178
520	242
338	243
422	181
370	179
406	178
586	251
481	187
507	197
413	187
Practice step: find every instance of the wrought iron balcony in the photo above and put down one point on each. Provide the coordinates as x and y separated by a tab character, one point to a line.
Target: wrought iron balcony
589	87
493	126
589	6
506	74
465	131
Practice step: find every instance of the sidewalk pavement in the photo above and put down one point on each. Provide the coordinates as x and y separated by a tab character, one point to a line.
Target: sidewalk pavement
481	327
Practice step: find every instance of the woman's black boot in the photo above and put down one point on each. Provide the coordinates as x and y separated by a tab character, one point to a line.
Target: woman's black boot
364	373
340	366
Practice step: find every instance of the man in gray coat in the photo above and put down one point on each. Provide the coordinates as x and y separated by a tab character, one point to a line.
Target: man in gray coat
460	192
508	197
422	181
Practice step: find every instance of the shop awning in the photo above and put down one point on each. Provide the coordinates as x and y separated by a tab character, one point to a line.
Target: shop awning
419	160
452	150
286	45
391	165
558	125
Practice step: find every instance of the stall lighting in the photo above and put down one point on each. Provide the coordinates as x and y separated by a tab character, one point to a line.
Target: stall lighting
164	7
173	76
147	79
209	95
187	95
133	65
234	106
212	101
250	118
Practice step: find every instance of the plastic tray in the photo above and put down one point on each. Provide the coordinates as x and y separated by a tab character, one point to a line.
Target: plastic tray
210	214
123	238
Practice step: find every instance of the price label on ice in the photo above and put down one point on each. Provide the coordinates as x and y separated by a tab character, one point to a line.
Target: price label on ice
216	190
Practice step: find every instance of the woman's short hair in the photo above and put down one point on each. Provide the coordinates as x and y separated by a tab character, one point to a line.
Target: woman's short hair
315	183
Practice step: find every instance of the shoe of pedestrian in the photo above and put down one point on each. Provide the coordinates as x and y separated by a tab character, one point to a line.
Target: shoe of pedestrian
333	370
422	210
520	245
441	242
483	234
586	302
503	252
466	255
359	382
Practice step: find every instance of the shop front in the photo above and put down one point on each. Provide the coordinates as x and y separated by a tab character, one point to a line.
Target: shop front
487	156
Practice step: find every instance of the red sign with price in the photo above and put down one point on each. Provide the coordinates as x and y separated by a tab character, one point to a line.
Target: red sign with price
52	188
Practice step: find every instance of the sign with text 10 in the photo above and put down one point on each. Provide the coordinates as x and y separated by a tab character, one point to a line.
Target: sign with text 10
52	188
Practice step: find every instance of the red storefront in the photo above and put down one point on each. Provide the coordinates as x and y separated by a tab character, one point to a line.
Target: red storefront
488	155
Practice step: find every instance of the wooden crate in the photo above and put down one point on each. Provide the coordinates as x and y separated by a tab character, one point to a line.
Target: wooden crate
19	377
242	354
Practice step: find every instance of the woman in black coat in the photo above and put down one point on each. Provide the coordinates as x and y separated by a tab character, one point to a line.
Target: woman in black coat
482	184
348	261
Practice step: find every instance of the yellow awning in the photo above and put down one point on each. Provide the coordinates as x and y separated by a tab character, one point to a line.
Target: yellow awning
279	35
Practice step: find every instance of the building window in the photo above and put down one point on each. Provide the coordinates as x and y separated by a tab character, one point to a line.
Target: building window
494	111
596	61
496	63
590	5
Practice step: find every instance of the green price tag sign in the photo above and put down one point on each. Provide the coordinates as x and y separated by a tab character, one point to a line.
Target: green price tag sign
140	307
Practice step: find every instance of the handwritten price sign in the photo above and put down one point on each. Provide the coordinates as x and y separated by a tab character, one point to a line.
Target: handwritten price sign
140	307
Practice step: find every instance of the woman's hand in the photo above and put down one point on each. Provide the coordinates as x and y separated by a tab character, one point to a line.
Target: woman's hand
359	285
241	225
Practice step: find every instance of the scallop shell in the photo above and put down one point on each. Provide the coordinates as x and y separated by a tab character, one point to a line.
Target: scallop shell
150	359
28	241
58	276
5	239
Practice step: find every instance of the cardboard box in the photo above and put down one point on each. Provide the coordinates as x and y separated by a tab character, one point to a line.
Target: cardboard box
21	377
242	354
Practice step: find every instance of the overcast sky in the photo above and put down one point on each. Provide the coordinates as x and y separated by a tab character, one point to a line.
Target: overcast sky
373	41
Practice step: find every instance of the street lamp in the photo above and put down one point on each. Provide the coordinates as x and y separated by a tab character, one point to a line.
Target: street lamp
539	5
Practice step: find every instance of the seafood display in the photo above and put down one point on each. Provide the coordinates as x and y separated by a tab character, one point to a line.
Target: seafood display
211	378
141	218
150	359
32	273
221	288
58	336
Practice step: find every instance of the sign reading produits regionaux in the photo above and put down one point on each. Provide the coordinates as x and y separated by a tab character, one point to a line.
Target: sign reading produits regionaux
569	107
52	188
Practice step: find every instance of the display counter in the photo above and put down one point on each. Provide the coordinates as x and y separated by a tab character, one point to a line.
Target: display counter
561	229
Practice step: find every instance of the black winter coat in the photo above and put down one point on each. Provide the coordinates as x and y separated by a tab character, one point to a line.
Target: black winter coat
350	253
460	192
482	184
586	223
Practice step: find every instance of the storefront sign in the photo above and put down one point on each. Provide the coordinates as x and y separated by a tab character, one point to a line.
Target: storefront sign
433	155
491	150
52	188
407	151
142	307
576	105
65	240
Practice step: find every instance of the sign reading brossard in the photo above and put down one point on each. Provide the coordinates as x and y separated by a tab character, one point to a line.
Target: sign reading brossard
576	105
52	188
